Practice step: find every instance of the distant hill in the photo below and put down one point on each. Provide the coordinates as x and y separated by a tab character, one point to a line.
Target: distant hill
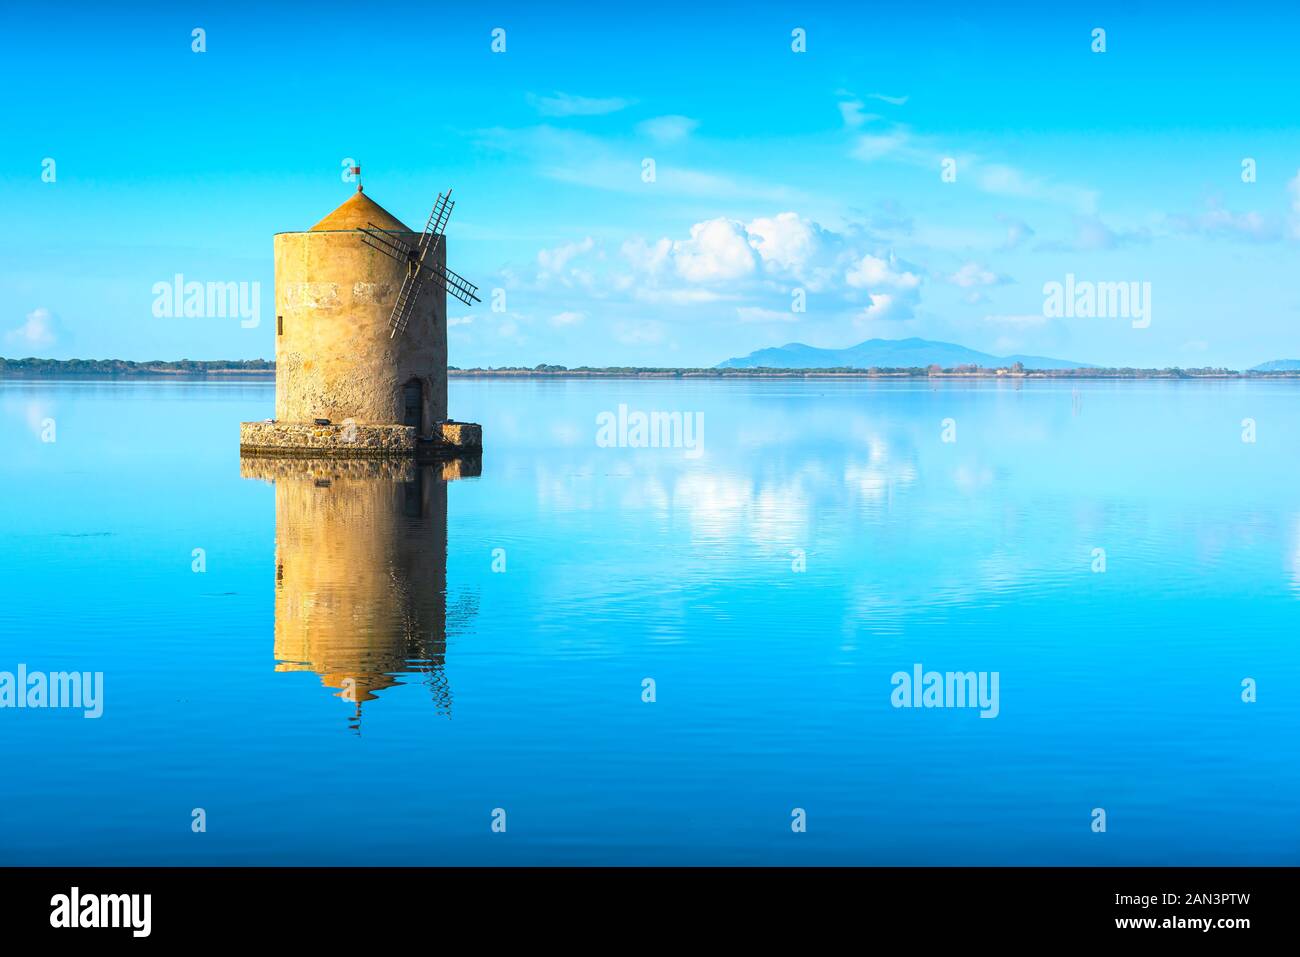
1278	365
888	354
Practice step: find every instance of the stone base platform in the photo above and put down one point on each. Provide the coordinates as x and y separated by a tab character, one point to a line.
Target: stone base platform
352	440
325	469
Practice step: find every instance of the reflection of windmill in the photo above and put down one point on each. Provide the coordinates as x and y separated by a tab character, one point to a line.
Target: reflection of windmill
421	263
361	595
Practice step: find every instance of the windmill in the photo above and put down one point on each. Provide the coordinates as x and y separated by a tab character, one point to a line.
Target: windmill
422	264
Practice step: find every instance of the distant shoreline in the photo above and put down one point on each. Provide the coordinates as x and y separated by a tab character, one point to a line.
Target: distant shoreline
124	369
263	369
762	373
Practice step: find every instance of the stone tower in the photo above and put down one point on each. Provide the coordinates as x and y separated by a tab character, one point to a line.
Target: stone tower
334	356
344	384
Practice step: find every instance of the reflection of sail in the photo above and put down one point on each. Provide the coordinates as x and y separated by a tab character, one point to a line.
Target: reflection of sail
361	570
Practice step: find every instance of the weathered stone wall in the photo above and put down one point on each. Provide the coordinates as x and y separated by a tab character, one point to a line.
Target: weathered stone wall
461	435
334	356
344	440
272	468
355	440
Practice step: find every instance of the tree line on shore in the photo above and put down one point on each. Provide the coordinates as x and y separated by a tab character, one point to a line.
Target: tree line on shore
125	367
204	367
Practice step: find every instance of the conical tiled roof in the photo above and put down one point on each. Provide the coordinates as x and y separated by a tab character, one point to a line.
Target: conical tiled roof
360	210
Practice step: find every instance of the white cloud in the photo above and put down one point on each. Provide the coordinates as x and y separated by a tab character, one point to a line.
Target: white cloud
460	321
564	104
973	277
648	257
1007	180
555	263
668	129
1003	180
872	272
681	296
893	290
1219	222
793	248
718	250
852	113
784	248
567	318
885	305
715	186
852	107
786	240
1019	232
874	146
753	265
1091	234
38	331
973	274
898	143
600	163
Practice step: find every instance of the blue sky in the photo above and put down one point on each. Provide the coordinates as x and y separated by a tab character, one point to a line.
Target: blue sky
775	171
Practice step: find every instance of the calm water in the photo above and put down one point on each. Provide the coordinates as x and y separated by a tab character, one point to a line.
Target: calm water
350	681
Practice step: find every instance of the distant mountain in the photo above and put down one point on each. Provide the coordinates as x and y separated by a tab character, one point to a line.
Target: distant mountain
888	354
1278	365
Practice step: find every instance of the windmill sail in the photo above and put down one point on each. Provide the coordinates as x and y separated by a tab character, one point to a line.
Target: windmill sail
421	262
458	286
405	304
433	229
386	243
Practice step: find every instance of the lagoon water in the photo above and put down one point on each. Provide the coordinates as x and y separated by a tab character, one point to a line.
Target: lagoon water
351	682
